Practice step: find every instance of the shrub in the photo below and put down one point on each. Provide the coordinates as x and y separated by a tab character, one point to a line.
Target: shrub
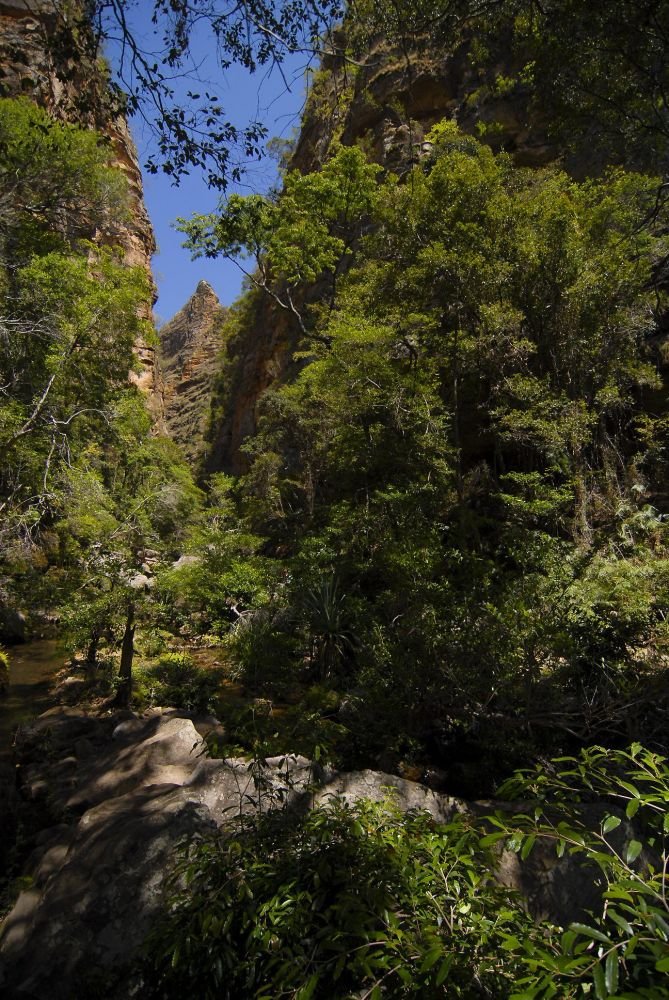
4	671
362	901
263	651
623	949
176	680
343	901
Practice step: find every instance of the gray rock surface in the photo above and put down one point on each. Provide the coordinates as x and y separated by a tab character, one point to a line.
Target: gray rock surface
123	793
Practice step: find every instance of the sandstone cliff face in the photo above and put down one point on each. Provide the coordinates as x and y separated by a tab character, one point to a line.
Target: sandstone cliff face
35	63
188	358
392	99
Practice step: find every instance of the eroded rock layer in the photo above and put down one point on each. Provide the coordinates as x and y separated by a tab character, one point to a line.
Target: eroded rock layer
188	358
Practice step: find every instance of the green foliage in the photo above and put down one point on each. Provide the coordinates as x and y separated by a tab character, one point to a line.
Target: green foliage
346	900
623	950
84	489
263	648
258	727
57	186
332	641
70	317
343	901
581	73
4	671
462	454
176	680
609	69
222	577
307	232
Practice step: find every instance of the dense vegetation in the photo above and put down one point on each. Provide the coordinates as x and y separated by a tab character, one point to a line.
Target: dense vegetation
364	901
460	491
84	489
448	554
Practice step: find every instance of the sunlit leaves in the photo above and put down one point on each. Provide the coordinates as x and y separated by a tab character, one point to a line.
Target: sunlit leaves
623	945
345	900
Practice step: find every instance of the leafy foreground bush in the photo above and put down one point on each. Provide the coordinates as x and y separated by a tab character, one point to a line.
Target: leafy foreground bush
364	902
623	952
345	901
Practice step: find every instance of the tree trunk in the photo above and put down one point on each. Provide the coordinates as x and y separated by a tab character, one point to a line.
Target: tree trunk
92	653
127	650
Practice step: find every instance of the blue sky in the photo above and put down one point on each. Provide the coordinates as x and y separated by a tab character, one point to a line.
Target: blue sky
245	97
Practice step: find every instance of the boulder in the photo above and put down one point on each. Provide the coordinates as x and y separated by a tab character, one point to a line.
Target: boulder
13	625
125	791
96	892
183	561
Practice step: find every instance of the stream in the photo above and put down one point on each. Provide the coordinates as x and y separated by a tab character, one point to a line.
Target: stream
31	670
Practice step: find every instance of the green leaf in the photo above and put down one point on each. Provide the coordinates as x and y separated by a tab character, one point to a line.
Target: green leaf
567	942
632	808
444	969
662	965
591	932
430	959
619	920
611	823
617	893
514	842
611	972
527	846
599	980
491	838
307	991
634	849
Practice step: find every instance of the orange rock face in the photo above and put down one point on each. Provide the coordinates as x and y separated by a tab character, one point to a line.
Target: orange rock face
189	351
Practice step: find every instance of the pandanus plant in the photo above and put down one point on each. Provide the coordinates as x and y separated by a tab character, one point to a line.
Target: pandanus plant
332	641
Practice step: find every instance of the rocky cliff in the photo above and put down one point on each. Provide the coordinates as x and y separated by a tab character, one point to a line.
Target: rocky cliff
46	55
188	358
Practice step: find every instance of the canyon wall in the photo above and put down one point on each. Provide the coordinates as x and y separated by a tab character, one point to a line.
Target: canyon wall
47	56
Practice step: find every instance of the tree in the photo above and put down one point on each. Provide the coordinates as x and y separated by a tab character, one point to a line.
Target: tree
196	133
57	188
133	496
65	354
223	577
305	234
461	448
68	309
